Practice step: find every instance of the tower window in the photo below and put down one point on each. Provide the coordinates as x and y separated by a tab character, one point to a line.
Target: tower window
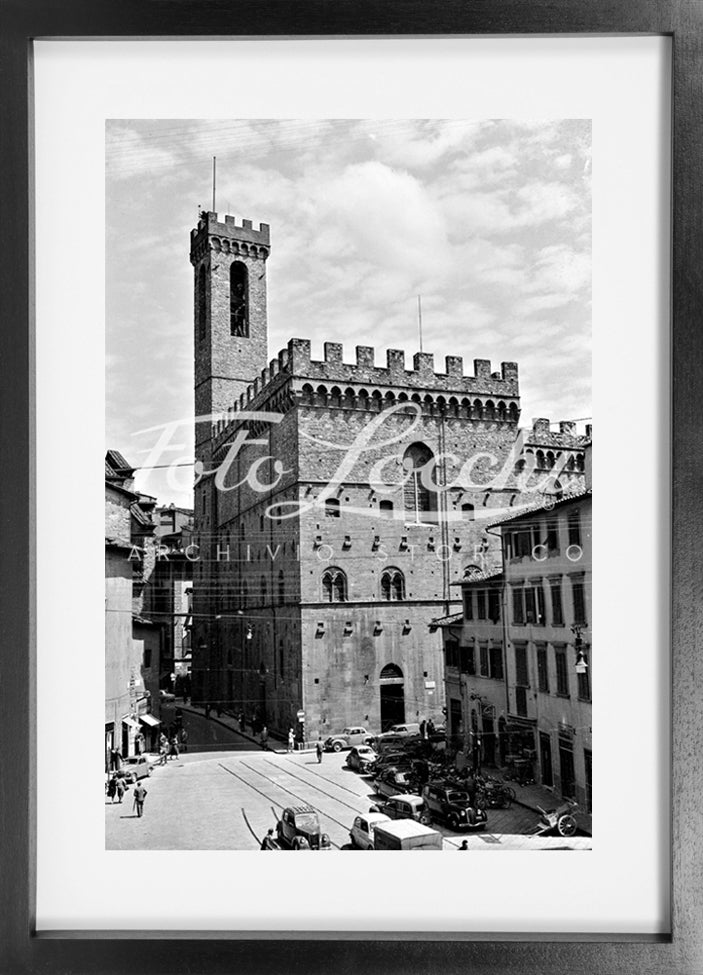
419	491
202	302
239	299
331	508
386	508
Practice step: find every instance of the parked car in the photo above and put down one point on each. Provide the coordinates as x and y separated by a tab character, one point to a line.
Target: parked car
347	739
361	833
400	731
453	807
166	697
362	758
392	759
406	806
393	781
135	767
299	829
406	835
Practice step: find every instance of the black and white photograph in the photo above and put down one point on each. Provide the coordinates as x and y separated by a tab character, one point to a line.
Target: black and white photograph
348	485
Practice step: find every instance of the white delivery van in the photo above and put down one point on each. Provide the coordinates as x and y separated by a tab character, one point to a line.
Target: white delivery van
406	834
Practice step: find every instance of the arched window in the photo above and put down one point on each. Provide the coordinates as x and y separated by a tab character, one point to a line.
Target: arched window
386	508
550	459
502	411
392	585
334	586
467	512
308	393
331	508
281	587
420	499
202	302
540	460
490	410
239	299
335	396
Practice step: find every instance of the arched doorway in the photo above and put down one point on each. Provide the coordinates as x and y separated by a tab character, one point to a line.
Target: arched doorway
392	696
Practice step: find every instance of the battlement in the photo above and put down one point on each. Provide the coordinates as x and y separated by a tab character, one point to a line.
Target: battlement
422	375
483	395
542	435
227	235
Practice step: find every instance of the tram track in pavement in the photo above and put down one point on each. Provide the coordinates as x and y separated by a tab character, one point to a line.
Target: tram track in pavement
313	786
272	800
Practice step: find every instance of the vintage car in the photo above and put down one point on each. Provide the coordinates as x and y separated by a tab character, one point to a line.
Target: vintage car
405	806
399	732
135	767
393	782
361	833
299	829
347	738
453	807
362	758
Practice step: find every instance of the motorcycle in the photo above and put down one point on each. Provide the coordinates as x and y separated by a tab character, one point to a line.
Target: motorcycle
561	820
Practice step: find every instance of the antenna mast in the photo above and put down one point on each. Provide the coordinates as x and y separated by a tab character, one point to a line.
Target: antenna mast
419	318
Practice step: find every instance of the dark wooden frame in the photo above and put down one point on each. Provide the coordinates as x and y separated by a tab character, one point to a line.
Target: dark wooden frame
21	949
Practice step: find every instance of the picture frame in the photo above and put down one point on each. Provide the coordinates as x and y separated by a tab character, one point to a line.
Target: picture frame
26	950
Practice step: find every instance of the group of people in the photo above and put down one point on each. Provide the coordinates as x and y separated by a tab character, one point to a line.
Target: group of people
427	728
169	747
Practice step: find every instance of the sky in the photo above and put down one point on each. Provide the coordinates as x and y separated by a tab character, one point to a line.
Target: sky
488	220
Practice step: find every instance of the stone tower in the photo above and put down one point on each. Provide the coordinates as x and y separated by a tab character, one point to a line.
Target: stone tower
229	264
230	340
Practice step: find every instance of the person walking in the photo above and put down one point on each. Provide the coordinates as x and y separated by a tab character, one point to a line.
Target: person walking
115	759
184	740
119	789
318	749
173	749
111	788
264	737
140	795
291	740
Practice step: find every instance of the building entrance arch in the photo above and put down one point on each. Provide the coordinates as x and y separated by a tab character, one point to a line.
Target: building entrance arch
392	696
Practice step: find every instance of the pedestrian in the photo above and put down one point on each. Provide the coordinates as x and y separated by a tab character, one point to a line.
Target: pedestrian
264	736
268	842
173	749
241	721
184	740
115	759
291	740
139	743
430	728
423	728
120	789
111	788
476	756
464	845
318	749
140	795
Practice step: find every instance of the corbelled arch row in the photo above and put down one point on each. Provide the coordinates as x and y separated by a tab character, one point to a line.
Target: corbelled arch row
225	246
492	410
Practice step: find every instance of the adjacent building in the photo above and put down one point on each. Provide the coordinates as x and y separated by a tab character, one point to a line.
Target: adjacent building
518	659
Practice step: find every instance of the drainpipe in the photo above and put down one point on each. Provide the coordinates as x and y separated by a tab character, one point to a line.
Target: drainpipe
504	617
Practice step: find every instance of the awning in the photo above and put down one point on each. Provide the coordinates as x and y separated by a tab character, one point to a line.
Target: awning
150	720
131	722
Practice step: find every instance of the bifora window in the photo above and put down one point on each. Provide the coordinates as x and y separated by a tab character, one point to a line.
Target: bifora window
334	586
392	585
